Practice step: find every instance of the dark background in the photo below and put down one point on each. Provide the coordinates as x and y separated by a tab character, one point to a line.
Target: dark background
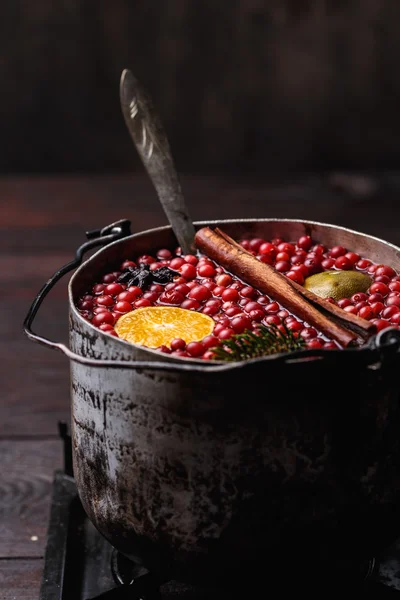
241	85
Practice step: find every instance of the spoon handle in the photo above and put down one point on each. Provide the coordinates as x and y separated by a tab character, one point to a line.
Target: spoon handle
151	142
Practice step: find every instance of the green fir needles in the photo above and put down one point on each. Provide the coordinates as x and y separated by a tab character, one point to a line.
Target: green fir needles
249	344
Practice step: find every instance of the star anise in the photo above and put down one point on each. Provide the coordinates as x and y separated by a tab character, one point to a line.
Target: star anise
142	276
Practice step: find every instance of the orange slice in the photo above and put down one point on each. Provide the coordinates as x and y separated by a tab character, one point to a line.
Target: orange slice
154	326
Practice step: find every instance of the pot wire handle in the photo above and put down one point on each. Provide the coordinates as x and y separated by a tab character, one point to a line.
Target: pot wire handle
96	237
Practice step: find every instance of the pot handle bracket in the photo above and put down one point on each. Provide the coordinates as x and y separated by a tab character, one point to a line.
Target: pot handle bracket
387	345
96	237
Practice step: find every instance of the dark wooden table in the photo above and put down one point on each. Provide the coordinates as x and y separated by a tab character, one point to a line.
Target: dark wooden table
42	221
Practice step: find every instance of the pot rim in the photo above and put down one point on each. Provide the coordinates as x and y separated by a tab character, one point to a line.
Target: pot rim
211	365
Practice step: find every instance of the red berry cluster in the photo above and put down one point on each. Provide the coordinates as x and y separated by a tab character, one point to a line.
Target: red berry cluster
235	307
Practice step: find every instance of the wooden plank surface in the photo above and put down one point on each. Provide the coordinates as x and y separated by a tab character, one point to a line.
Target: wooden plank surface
42	221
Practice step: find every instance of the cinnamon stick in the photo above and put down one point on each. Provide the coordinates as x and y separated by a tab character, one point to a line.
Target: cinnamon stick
229	254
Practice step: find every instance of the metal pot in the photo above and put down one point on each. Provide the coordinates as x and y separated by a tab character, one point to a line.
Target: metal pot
196	469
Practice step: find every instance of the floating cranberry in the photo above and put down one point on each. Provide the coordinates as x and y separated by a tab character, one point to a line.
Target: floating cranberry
377	307
308	333
106	327
195	349
282	314
200	293
366	312
152	296
393	301
350	309
103	317
206	271
129	295
190	304
282	266
87	314
295	325
394	286
223	280
86	304
226	333
330	346
314	344
141	303
267	249
230	295
358	297
99	309
272	307
210	311
352	257
113	289
164	349
257	314
217	291
210	341
337	251
380	288
172	297
178	344
295	276
283	256
375	298
251	305
127	263
164	254
98	288
255	244
328	263
155	265
232	311
104	300
360	305
304	242
395	319
385	270
123	307
272	320
302	268
241	323
145	259
244	244
363	264
191	259
343	263
389	311
313	265
208	355
176	263
110	277
248	292
263	300
343	302
236	285
187	270
382	324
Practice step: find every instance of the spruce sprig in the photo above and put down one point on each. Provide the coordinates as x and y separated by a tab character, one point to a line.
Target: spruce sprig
268	340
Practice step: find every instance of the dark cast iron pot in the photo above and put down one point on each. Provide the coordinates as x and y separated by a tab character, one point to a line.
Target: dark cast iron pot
198	470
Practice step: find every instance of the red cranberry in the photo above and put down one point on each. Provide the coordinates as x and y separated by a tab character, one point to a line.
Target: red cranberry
127	263
190	304
206	271
343	263
337	251
380	288
272	307
302	268
172	297
244	244
267	249
308	333
257	314
267	259
385	270
128	296
366	312
395	319
389	311
103	317
98	288
350	309
208	355
210	310
282	314
104	300
240	323
393	301
110	277
360	305
330	346
375	298
226	333
358	297
313	265
164	349
282	266
106	327
195	349
236	285
304	242
163	254
187	271
230	295
255	244
251	305
145	259
87	314
295	325
363	264
283	256
152	296
327	263
314	344
377	307
86	305
200	293
296	260
263	300
142	303
352	257
232	311
248	292
210	341
156	287
176	263
343	302
381	323
272	320
155	265
244	301
113	289
394	286
217	291
191	259
287	248
295	276
123	307
224	280
178	344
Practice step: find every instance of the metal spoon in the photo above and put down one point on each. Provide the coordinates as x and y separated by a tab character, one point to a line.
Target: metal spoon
151	142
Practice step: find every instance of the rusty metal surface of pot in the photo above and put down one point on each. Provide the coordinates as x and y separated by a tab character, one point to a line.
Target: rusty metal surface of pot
194	468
